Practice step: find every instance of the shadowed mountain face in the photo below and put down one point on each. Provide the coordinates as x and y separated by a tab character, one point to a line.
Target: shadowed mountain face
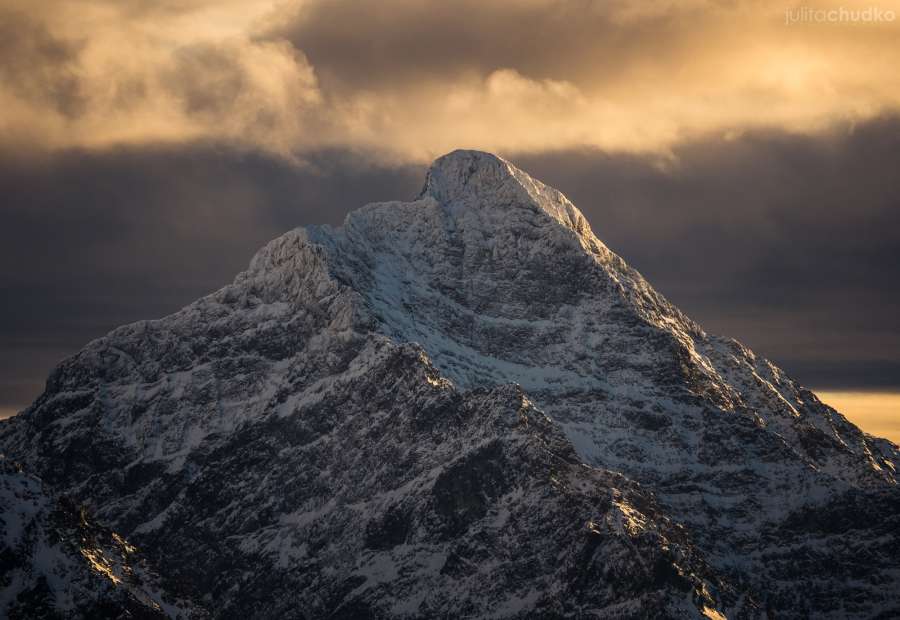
465	405
58	563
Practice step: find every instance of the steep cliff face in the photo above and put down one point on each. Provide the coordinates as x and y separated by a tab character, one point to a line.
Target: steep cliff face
57	563
465	404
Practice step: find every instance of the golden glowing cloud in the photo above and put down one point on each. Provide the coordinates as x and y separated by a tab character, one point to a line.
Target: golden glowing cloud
412	79
94	74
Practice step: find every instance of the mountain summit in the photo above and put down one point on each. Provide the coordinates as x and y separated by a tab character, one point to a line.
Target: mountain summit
478	180
464	406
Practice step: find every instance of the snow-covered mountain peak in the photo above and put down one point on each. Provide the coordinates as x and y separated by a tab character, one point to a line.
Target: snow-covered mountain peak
464	181
464	174
374	417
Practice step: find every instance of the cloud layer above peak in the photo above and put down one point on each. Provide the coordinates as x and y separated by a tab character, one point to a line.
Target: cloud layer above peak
413	79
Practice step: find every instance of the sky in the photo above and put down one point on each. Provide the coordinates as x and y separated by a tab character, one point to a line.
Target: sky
742	155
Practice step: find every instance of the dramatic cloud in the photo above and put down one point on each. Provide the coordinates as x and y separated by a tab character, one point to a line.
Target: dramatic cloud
94	74
413	79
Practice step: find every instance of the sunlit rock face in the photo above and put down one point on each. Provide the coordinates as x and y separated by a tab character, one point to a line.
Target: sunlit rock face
465	405
57	563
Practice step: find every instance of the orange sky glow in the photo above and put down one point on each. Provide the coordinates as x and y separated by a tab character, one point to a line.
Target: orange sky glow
877	413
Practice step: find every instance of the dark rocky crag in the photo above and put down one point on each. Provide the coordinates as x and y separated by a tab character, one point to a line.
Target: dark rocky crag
56	562
465	406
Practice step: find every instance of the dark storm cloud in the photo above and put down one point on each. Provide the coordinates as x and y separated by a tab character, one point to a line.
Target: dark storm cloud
91	241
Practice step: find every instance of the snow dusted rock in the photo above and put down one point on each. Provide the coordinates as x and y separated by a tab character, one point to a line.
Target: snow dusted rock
382	490
357	427
57	563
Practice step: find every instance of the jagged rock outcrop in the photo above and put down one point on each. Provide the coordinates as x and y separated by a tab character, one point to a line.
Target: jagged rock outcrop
56	562
465	405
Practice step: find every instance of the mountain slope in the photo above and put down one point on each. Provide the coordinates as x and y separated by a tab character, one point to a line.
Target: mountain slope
57	563
268	429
